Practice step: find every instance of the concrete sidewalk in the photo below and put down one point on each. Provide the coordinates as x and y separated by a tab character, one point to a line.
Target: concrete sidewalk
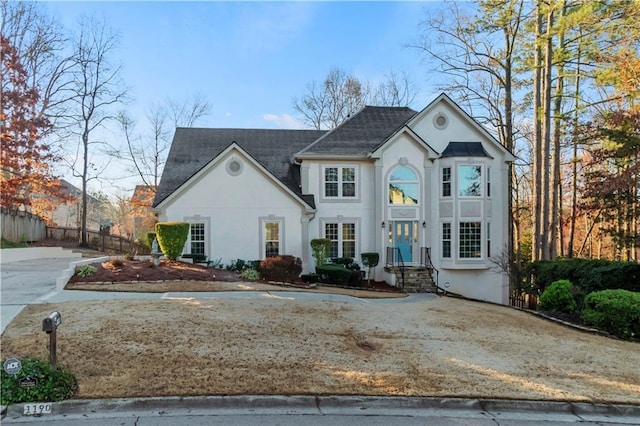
179	410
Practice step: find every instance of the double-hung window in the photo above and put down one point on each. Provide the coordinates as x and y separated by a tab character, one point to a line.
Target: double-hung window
446	239
343	238
196	235
469	240
446	181
340	182
271	238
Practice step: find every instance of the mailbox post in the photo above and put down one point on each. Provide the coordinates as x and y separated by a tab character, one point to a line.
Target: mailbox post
50	326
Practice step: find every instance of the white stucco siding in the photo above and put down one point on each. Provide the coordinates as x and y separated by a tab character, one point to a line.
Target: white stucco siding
476	284
234	207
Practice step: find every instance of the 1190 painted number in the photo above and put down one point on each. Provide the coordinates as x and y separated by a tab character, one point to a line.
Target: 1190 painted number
37	408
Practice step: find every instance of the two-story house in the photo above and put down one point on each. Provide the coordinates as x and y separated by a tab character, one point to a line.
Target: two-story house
422	189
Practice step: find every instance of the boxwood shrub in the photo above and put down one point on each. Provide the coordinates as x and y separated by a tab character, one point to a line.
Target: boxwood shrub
53	385
558	297
171	237
338	274
614	311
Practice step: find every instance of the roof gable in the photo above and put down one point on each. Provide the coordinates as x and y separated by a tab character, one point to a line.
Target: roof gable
193	148
360	134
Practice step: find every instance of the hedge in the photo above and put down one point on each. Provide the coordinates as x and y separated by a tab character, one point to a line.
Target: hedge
588	275
614	311
171	238
338	274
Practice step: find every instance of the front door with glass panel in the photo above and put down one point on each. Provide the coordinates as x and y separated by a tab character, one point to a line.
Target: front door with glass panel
403	240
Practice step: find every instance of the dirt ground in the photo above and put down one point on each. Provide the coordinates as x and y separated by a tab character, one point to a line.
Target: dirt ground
285	345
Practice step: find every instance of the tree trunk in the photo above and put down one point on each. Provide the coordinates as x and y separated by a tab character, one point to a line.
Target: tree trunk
537	140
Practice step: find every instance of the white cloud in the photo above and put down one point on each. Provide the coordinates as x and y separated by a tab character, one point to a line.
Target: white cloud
283	121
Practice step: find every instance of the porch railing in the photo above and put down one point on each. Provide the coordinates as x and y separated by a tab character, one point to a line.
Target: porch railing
394	260
425	261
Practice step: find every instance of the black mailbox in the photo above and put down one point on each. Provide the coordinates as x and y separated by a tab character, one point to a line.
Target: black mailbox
51	323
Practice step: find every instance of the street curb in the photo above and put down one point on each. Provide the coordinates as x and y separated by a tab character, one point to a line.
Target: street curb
328	404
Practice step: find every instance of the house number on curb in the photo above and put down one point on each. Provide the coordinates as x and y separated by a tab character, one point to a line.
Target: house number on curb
37	408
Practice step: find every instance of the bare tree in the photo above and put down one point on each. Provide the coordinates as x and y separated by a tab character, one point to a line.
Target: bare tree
147	152
97	89
396	90
327	105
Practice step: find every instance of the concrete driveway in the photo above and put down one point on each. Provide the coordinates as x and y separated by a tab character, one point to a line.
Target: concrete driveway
25	282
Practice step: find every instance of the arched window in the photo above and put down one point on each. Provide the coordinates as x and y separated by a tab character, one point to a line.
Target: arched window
403	186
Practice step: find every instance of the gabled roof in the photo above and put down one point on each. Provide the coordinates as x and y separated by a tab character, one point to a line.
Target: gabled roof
193	148
360	134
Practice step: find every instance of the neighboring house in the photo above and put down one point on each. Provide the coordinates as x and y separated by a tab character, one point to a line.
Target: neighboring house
423	189
143	218
69	214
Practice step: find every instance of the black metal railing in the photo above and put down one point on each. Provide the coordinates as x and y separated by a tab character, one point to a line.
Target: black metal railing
394	260
425	261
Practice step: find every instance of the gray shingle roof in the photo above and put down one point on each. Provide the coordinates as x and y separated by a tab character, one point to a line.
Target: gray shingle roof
464	149
194	148
362	133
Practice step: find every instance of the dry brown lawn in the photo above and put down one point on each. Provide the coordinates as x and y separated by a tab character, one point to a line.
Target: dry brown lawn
284	345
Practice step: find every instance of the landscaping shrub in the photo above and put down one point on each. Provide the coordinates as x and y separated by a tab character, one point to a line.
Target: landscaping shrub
347	262
310	278
150	237
338	274
370	260
587	274
240	265
85	271
321	247
53	385
171	238
280	268
614	311
558	297
250	274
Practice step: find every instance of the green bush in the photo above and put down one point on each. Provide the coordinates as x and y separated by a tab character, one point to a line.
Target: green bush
250	274
150	237
558	297
338	274
588	275
321	247
283	268
240	265
614	311
53	385
171	238
85	271
310	278
347	262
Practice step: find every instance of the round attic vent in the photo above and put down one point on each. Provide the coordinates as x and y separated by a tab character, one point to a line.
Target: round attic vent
440	121
234	167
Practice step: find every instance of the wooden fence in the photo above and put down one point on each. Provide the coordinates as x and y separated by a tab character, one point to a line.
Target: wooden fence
524	301
22	227
100	241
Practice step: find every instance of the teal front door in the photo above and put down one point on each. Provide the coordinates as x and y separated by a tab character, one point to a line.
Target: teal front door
403	240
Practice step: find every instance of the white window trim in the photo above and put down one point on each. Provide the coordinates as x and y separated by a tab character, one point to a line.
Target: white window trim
207	231
340	197
450	181
482	181
263	241
340	222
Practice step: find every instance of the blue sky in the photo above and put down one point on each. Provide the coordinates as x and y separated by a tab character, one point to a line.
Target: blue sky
250	59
